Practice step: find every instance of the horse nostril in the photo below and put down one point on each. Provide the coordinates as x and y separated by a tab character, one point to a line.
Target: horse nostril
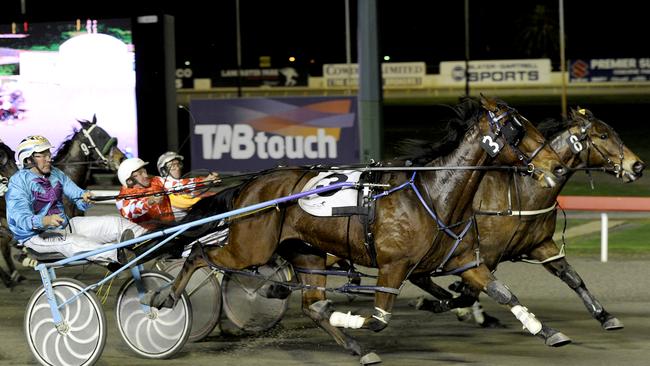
638	167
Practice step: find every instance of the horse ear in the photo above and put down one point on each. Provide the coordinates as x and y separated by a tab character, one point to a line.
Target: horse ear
94	121
578	113
488	103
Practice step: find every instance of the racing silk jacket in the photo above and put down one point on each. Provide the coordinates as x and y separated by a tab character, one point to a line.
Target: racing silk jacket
181	202
30	197
139	210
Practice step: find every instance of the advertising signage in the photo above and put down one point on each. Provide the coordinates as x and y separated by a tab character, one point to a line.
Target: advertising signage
609	70
253	134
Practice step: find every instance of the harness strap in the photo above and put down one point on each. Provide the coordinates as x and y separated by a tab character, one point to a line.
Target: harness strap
461	269
93	145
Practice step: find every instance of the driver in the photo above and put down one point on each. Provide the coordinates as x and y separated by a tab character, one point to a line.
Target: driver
35	208
170	167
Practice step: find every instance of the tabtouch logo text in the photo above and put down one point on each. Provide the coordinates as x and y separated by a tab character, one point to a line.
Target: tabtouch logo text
240	141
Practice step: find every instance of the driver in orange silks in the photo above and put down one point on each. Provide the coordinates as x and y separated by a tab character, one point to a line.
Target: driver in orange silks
150	209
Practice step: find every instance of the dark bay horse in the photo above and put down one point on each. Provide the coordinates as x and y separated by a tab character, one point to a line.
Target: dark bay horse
88	146
524	230
7	168
407	238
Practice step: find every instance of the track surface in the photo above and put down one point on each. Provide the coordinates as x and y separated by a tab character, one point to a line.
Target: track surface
413	337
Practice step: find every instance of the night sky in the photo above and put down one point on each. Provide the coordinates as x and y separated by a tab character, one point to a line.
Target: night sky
314	31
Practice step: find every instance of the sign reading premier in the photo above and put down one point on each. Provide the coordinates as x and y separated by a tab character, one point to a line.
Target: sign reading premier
254	134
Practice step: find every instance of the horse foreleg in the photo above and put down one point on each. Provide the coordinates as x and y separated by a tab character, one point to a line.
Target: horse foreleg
314	302
465	306
481	278
446	301
562	269
390	279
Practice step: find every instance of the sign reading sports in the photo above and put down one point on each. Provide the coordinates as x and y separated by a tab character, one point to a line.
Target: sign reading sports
496	72
254	134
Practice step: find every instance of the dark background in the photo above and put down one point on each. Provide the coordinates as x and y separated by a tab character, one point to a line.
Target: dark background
410	30
431	31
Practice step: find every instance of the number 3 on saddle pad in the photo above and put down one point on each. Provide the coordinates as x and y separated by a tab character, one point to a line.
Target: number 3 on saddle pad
491	145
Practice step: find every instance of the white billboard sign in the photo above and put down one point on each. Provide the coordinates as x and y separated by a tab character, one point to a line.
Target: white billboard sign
393	73
496	72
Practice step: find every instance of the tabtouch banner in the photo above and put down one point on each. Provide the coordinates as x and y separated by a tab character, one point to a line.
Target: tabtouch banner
253	134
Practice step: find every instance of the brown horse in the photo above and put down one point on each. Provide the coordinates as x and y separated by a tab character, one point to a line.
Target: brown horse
406	239
524	230
532	220
88	146
7	168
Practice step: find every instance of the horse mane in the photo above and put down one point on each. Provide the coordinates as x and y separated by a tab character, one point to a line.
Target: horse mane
209	206
67	143
420	152
551	127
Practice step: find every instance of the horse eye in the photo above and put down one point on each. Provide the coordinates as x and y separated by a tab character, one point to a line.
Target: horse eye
603	136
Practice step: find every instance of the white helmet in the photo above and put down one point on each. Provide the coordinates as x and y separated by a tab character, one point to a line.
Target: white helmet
127	167
30	145
164	159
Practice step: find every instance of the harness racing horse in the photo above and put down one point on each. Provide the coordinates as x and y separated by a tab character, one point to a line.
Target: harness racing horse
525	231
408	230
7	168
87	146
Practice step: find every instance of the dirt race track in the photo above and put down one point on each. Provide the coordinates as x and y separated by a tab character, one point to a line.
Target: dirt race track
414	337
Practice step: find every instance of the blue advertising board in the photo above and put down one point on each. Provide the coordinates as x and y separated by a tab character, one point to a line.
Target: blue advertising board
609	70
236	135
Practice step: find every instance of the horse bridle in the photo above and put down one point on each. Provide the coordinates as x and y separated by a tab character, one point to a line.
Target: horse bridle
101	154
513	138
576	142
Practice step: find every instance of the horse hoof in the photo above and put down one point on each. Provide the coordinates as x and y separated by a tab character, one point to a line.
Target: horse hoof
612	324
557	340
370	359
491	322
417	303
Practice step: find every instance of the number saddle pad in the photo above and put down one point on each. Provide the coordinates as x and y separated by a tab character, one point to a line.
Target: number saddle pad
339	202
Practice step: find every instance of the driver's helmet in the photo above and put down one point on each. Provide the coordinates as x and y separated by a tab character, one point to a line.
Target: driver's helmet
30	145
127	167
164	159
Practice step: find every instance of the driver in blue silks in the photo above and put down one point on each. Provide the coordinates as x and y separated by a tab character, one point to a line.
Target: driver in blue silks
35	208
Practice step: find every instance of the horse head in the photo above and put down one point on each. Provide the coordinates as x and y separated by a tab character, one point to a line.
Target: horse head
510	139
7	163
97	144
598	145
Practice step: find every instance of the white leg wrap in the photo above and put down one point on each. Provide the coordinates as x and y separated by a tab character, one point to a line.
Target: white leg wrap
346	320
383	315
463	314
477	312
527	319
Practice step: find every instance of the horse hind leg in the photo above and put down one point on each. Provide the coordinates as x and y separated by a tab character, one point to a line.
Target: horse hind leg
562	269
167	296
481	277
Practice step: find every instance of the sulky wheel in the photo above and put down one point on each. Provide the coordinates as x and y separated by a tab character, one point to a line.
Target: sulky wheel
205	295
79	340
152	333
244	302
